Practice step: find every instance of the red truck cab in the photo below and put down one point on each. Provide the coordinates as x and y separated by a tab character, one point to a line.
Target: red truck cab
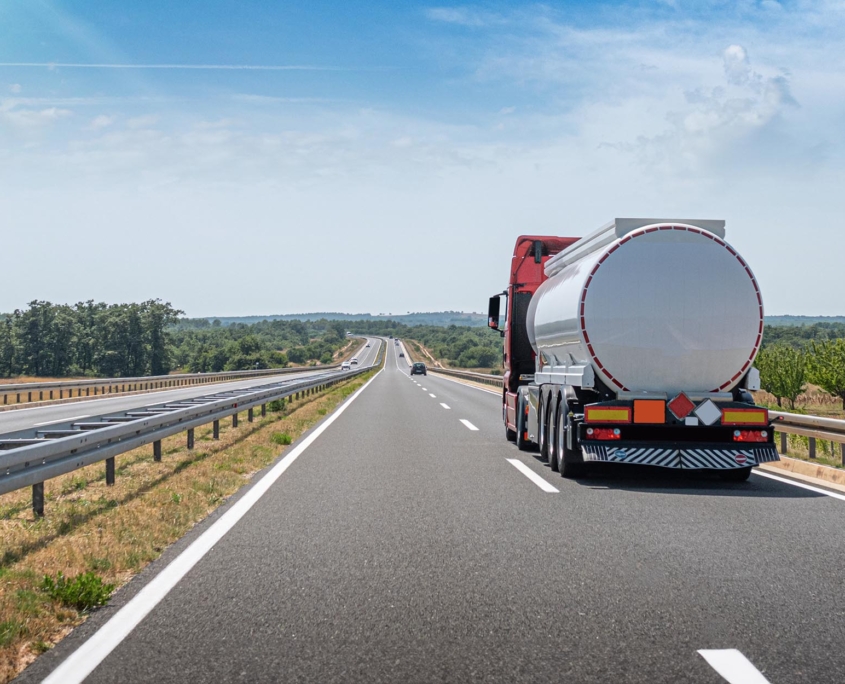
529	258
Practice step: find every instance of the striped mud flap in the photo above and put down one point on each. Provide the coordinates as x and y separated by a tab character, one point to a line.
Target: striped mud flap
704	457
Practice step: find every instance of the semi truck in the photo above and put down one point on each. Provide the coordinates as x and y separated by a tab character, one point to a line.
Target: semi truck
635	345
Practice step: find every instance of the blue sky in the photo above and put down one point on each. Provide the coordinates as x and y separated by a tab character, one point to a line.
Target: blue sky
389	153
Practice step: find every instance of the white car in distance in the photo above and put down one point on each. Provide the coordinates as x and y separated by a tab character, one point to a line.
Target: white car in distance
345	366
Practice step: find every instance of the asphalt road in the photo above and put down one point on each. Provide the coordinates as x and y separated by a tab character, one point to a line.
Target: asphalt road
407	544
57	415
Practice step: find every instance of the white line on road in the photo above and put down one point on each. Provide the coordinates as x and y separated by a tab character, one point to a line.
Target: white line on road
445	405
468	424
60	420
785	480
83	660
432	396
425	389
733	666
531	475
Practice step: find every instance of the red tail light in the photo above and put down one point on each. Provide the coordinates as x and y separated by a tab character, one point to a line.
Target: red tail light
604	433
750	435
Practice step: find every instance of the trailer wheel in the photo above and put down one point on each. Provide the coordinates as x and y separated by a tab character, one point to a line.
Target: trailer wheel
522	441
543	417
571	462
555	432
735	474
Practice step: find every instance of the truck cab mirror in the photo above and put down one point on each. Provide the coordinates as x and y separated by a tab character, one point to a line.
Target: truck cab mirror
493	313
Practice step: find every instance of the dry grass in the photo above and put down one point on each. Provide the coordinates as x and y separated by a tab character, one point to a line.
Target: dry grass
116	531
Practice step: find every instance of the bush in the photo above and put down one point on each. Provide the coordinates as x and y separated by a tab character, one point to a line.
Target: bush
282	438
276	405
83	592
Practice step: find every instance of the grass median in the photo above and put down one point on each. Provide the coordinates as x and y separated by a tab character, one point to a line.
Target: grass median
94	538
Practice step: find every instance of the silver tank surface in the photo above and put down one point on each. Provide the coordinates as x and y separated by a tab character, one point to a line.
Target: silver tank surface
653	305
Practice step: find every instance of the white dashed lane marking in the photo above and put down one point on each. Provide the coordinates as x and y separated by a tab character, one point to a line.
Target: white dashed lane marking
469	425
445	406
733	666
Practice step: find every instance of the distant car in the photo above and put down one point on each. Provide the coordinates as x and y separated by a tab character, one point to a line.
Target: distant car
368	344
346	366
418	369
354	361
401	355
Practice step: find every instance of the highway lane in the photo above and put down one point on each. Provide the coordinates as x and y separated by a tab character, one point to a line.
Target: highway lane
405	546
57	415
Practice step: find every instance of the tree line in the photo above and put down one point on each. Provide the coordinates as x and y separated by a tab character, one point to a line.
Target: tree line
150	338
794	356
87	338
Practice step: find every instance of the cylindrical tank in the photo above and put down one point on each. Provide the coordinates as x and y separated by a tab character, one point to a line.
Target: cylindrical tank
661	308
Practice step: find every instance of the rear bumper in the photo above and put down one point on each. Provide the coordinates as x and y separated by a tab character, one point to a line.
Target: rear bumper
687	456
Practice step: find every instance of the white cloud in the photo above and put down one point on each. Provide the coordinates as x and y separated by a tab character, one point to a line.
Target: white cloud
507	110
15	88
13	114
142	121
463	16
101	121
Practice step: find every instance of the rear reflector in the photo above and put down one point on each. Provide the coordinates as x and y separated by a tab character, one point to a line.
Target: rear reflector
607	414
750	435
755	416
604	433
649	411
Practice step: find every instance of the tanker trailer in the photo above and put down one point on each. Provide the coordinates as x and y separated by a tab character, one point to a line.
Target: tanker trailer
634	345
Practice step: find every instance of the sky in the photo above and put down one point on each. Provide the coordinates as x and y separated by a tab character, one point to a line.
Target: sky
242	157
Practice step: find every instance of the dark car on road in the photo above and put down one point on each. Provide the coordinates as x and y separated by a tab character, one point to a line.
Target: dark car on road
418	368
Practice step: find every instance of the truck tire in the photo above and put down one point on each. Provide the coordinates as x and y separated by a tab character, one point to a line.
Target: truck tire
555	429
571	463
522	442
543	430
735	474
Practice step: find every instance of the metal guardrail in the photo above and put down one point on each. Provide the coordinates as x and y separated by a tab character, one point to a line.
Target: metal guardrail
495	380
29	462
812	427
27	392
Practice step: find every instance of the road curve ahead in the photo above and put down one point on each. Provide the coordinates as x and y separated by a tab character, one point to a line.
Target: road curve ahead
411	543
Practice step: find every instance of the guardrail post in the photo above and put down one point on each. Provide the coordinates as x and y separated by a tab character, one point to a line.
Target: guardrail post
249	415
110	471
157	450
234	420
38	499
842	451
216	429
784	441
190	438
812	447
263	410
29	397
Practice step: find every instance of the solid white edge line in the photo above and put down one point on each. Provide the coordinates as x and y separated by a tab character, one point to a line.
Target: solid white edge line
534	477
469	425
795	483
59	420
466	384
79	664
733	666
445	406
